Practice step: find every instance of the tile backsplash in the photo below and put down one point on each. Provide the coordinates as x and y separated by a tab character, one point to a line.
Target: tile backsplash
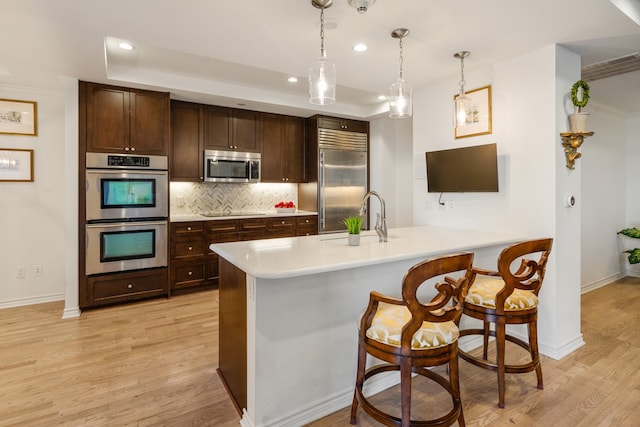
194	197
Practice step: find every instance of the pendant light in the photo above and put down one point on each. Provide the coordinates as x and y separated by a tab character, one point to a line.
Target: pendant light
462	103
400	97
322	74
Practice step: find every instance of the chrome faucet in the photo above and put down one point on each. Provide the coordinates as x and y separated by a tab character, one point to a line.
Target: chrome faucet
381	218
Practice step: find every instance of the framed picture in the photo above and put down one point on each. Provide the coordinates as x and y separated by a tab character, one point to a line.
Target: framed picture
18	117
16	165
478	115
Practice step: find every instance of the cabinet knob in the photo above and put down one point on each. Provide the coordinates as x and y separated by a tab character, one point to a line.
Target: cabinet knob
190	248
191	273
130	286
133	148
282	222
307	221
126	148
188	228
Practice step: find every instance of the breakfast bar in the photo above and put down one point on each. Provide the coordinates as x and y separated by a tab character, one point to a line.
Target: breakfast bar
289	309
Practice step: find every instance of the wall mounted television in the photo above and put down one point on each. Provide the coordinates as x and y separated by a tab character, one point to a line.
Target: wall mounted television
463	170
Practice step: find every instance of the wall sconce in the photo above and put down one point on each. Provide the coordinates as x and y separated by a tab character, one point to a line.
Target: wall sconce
400	93
571	141
461	102
322	74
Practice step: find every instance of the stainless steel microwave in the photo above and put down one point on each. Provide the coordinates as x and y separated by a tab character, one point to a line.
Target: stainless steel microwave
231	166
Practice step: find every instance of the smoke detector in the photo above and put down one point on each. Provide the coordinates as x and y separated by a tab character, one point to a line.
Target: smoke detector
361	5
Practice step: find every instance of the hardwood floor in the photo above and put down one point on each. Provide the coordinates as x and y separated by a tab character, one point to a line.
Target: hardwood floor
154	364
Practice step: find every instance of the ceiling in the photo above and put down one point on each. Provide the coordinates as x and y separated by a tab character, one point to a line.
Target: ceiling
241	52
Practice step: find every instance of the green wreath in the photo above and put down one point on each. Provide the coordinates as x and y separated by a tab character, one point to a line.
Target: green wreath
585	94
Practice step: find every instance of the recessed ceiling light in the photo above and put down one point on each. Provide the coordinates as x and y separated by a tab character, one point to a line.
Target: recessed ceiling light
382	97
360	47
292	79
126	46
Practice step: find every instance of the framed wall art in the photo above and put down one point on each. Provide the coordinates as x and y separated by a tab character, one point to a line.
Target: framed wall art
16	165
18	117
478	115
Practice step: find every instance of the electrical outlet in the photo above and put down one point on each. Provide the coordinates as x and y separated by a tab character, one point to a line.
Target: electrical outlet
37	270
20	272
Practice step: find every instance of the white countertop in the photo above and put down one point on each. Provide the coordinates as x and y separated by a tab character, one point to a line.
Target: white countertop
268	214
299	256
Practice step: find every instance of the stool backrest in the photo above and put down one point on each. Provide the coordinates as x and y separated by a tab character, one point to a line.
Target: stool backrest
530	273
439	309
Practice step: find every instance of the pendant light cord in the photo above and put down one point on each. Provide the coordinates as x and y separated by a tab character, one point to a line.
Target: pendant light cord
462	82
401	58
323	54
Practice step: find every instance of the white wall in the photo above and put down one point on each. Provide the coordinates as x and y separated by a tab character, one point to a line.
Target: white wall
633	171
527	119
391	168
604	194
33	214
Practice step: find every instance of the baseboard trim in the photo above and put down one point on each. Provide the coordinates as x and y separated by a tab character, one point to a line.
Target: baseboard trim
602	282
21	302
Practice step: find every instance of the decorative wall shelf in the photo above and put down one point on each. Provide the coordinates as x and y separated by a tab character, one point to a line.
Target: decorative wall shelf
571	141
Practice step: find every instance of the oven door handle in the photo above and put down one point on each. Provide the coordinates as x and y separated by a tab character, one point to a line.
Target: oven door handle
128	172
125	224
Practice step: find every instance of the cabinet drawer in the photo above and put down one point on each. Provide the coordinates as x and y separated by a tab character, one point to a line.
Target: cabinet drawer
306	231
311	221
221	238
257	224
127	286
189	275
187	228
255	234
189	247
281	227
222	226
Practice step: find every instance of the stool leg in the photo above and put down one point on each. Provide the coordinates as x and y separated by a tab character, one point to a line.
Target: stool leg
485	342
362	359
454	380
500	350
535	355
405	390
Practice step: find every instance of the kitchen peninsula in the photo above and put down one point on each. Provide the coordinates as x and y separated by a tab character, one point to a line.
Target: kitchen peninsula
289	309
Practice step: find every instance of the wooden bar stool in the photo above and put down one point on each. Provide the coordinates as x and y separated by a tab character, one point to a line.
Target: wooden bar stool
410	337
507	297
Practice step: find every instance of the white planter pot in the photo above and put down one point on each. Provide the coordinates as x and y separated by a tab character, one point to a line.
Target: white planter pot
354	240
578	122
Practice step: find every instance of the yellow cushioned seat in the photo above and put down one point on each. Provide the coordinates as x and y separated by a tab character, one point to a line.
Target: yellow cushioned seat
484	289
389	319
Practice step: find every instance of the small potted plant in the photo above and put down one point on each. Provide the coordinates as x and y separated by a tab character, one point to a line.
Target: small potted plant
354	225
580	99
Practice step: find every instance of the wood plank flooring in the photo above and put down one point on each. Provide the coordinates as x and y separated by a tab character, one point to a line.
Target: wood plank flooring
154	363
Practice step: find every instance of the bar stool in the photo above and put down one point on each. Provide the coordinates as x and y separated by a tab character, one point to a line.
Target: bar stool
410	337
507	297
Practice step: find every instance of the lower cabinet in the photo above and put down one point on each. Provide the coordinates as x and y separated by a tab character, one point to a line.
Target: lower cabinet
192	264
120	287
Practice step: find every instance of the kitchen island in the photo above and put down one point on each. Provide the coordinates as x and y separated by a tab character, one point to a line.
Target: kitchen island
289	310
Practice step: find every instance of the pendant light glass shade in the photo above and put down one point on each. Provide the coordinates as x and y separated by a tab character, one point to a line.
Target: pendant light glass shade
400	93
400	99
322	74
322	82
462	104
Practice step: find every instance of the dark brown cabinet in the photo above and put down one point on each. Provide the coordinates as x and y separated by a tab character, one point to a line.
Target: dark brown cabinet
186	142
282	144
123	287
230	129
193	264
123	120
343	124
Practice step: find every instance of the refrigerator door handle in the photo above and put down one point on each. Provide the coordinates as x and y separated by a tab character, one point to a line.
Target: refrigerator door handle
321	173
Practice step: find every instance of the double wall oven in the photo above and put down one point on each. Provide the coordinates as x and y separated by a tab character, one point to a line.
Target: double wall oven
126	212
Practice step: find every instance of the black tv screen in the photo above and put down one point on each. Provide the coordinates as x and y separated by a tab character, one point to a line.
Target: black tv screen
463	170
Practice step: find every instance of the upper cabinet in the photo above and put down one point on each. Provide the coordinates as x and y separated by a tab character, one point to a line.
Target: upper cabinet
186	142
282	144
230	129
343	124
123	120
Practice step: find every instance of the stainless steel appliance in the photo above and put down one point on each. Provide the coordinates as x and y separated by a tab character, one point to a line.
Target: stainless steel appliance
231	166
126	187
127	206
342	177
123	246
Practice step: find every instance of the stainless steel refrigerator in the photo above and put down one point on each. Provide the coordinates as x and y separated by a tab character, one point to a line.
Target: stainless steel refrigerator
342	177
